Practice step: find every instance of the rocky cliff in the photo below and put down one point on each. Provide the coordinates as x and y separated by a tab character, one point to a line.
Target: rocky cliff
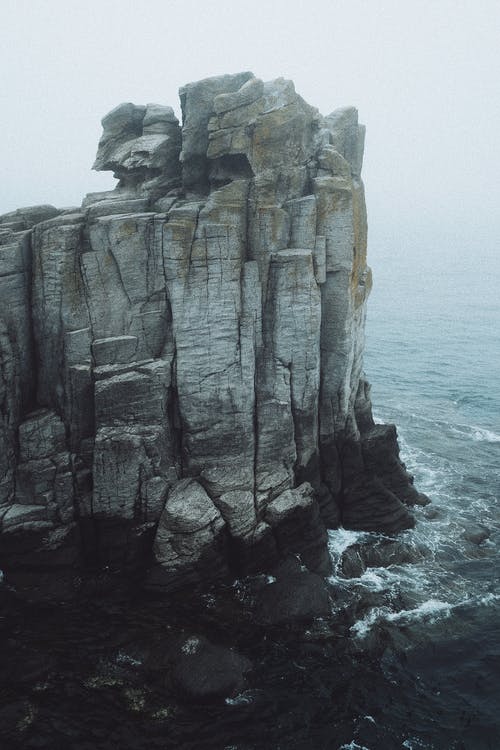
181	358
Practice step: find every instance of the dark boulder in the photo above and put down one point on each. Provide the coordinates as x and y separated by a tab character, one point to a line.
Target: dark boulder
296	595
351	564
369	506
295	519
203	671
476	533
358	557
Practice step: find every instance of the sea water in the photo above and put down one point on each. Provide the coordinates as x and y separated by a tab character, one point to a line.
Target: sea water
433	357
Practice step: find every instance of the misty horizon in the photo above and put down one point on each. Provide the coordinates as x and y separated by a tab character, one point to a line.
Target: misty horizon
422	77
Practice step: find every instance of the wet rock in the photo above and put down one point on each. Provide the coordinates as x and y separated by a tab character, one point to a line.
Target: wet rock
476	533
432	513
190	539
203	671
367	505
294	517
422	499
380	452
351	564
392	552
295	596
358	557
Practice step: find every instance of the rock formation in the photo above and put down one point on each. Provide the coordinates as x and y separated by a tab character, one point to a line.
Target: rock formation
181	358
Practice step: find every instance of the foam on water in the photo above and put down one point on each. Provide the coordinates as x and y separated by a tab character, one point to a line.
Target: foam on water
413	743
340	539
479	434
438	384
430	611
242	699
441	586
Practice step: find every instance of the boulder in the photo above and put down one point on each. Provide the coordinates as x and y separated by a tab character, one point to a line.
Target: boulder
295	519
293	596
476	533
381	554
190	539
203	671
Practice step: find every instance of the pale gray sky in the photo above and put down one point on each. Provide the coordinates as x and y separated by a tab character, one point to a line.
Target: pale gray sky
423	74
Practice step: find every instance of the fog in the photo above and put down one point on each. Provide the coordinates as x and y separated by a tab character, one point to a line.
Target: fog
423	75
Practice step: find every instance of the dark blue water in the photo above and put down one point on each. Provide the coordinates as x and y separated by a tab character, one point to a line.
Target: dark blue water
410	658
433	357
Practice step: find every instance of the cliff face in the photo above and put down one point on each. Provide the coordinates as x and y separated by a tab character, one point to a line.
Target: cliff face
181	358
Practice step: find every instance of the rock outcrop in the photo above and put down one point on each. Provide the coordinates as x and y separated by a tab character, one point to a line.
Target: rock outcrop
181	358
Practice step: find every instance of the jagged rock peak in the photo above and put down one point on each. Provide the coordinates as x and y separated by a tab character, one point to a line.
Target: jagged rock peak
182	357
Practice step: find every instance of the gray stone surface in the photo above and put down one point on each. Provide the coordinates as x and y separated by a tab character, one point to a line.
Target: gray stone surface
190	536
187	350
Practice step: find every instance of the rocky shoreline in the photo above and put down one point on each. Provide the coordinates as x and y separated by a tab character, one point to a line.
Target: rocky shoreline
182	394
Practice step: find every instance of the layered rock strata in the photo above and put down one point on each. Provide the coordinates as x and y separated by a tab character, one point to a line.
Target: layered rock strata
181	358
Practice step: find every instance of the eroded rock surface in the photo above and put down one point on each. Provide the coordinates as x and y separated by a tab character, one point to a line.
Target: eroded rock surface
182	357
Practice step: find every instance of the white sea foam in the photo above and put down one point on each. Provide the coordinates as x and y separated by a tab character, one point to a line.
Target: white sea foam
362	627
353	746
340	539
479	434
374	579
242	699
431	611
191	646
489	599
123	658
413	743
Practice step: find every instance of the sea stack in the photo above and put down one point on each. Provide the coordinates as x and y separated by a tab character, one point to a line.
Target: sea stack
181	358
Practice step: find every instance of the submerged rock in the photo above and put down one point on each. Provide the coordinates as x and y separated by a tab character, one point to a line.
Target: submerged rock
381	554
476	533
182	357
203	671
294	596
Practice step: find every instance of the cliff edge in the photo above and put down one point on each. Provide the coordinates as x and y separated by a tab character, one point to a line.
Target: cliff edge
181	358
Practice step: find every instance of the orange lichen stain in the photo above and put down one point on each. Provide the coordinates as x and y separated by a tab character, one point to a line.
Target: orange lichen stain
359	274
127	228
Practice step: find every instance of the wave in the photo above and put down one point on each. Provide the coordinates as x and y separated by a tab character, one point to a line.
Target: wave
489	600
431	611
482	435
340	539
242	699
400	413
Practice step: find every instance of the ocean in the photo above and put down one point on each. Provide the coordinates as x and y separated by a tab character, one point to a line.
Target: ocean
433	357
410	658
